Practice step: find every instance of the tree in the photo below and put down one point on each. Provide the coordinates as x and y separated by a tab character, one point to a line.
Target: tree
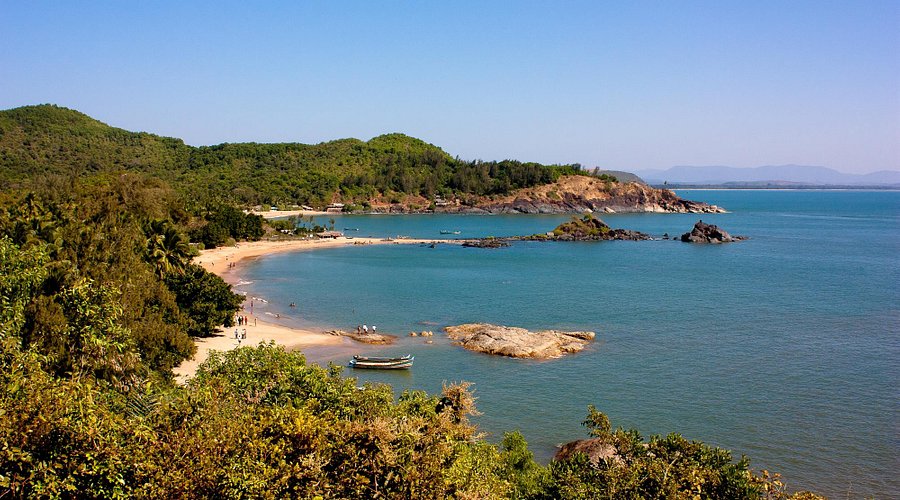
205	298
167	250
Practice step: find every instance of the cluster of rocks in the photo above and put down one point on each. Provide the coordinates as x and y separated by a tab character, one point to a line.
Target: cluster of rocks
709	233
486	243
366	338
517	342
423	333
588	228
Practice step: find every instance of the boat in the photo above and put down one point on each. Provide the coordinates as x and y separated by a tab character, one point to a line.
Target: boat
382	363
444	231
351	229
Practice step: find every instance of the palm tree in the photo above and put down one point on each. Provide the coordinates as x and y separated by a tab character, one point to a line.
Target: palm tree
167	250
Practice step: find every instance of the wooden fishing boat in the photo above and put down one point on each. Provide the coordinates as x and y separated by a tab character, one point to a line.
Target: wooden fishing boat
382	363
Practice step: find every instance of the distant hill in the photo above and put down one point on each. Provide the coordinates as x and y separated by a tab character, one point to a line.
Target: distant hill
48	140
780	175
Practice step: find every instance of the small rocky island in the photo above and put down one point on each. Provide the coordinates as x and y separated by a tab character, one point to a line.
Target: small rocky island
517	342
709	233
587	228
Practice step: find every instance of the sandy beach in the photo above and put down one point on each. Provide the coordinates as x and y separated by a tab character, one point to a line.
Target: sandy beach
274	214
223	259
257	331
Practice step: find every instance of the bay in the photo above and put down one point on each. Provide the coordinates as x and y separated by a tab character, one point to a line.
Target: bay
783	347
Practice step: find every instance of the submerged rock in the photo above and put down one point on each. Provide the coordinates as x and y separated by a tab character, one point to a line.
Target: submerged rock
486	243
517	342
708	233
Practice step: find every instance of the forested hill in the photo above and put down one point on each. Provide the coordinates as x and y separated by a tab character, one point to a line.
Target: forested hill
47	140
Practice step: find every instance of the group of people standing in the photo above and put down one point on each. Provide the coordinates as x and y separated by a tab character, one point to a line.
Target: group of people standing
244	321
364	329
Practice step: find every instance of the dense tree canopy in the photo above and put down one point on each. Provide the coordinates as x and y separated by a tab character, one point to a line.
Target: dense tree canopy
40	141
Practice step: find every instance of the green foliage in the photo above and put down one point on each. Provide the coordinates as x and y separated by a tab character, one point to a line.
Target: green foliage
41	141
661	467
224	223
205	298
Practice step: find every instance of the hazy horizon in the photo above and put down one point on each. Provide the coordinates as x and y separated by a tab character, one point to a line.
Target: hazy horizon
622	86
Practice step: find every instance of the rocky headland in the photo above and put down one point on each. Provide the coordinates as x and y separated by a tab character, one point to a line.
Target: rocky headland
568	194
517	342
709	233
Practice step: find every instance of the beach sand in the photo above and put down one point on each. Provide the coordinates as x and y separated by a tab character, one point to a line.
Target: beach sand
219	261
257	331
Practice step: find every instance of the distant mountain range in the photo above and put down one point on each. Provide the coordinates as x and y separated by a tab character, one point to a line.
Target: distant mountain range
773	175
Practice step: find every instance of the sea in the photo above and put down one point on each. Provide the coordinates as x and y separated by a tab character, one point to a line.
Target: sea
783	347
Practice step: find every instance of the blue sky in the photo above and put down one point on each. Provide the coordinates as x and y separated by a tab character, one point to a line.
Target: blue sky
622	85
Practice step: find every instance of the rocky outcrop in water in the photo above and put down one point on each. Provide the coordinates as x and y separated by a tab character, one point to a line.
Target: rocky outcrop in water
486	243
588	228
709	233
517	342
366	338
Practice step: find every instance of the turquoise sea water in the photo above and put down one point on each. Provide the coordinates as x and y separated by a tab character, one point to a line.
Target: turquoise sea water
784	347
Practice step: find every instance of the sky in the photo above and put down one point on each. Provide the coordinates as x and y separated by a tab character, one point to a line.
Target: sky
625	85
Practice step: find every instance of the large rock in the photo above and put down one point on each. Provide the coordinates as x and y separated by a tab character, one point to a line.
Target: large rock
708	233
596	449
517	342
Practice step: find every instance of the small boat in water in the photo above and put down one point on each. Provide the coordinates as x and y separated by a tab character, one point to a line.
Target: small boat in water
444	231
382	363
351	229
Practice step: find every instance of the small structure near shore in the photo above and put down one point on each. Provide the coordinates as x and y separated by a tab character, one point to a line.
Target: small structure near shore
517	342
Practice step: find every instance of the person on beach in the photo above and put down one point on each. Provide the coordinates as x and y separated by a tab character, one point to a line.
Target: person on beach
254	321
365	329
358	329
373	329
244	334
240	320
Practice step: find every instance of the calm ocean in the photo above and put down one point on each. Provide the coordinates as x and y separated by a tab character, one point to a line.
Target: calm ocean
784	347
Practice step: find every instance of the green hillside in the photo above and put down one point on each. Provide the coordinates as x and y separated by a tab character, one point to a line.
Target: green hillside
47	140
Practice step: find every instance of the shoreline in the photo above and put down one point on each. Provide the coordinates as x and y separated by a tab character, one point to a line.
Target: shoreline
222	261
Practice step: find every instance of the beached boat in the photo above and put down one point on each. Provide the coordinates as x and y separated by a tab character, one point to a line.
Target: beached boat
444	231
382	363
